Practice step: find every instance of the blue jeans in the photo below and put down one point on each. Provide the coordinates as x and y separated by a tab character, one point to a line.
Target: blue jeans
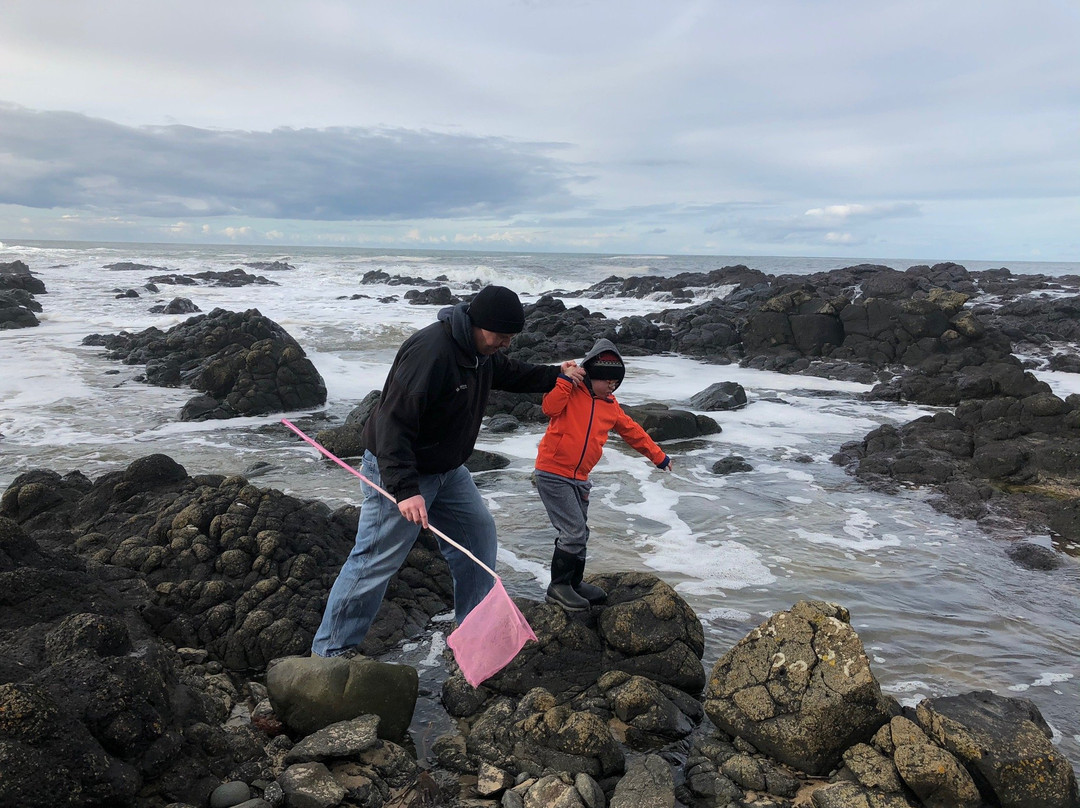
383	540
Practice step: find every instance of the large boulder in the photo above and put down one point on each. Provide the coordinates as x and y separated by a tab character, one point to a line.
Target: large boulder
645	629
798	687
1006	746
312	693
932	772
664	423
244	364
18	285
720	396
17	275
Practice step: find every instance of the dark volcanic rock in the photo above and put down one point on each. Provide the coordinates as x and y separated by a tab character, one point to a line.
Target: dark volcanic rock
17	310
235	569
1034	556
94	710
1006	745
439	296
17	275
731	465
345	440
18	285
645	629
282	265
246	364
231	278
178	305
720	396
131	266
663	423
1016	454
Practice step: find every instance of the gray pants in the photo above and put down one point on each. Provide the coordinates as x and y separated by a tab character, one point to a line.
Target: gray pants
567	505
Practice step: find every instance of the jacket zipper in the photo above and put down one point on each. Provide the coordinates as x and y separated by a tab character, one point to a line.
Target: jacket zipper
588	433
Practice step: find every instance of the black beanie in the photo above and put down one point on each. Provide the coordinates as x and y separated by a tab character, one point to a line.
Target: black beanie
606	367
496	308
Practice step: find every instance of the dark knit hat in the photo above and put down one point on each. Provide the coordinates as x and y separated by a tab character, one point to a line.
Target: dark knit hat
606	367
496	308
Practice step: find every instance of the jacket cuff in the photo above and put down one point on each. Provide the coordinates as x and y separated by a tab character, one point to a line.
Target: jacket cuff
406	491
564	376
663	464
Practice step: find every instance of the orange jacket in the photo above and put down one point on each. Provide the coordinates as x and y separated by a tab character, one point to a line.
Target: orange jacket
579	429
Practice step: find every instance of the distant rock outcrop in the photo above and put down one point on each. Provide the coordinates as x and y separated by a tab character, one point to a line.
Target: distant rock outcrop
18	285
245	364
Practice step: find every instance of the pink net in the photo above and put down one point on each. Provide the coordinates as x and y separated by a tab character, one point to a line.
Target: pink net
490	636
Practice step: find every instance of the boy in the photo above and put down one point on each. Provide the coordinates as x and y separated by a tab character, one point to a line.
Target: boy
582	414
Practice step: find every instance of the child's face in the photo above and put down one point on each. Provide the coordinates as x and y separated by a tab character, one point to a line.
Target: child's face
604	387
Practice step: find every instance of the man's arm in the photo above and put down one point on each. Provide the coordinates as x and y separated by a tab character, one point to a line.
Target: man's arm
516	376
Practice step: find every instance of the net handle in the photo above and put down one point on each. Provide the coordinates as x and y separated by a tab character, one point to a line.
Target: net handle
386	494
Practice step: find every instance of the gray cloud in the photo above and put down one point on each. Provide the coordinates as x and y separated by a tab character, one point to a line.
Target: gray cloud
67	160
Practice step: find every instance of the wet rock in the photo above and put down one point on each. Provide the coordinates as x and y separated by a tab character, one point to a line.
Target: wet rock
347	440
18	285
439	296
280	265
17	275
481	460
501	423
132	266
231	278
245	364
178	305
720	396
1005	744
235	569
731	465
663	423
1034	556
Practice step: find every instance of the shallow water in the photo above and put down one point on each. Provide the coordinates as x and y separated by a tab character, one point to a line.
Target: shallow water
937	603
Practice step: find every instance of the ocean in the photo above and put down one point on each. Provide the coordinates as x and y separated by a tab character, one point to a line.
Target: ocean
937	603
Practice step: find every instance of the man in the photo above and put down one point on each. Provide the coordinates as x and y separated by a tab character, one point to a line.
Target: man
416	443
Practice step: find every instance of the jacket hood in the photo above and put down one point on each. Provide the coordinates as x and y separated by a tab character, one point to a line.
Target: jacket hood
461	332
600	347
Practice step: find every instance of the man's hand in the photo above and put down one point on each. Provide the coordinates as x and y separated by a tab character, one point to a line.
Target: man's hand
414	509
570	368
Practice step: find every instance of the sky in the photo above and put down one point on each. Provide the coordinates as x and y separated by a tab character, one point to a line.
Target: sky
908	129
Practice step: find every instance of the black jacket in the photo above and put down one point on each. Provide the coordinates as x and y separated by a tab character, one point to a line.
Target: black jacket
434	398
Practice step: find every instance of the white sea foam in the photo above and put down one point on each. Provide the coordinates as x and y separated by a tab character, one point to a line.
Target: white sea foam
1045	680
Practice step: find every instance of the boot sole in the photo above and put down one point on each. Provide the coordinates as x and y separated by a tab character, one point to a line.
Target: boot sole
564	607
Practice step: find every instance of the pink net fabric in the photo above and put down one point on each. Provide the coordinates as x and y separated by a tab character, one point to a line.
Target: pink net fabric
490	636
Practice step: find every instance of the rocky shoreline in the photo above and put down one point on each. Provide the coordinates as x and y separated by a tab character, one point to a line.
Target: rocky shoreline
154	654
155	624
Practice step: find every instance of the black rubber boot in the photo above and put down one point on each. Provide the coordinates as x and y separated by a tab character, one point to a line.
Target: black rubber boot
593	594
561	592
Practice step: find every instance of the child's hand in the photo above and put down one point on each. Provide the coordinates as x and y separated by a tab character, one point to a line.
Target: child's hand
669	465
570	368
